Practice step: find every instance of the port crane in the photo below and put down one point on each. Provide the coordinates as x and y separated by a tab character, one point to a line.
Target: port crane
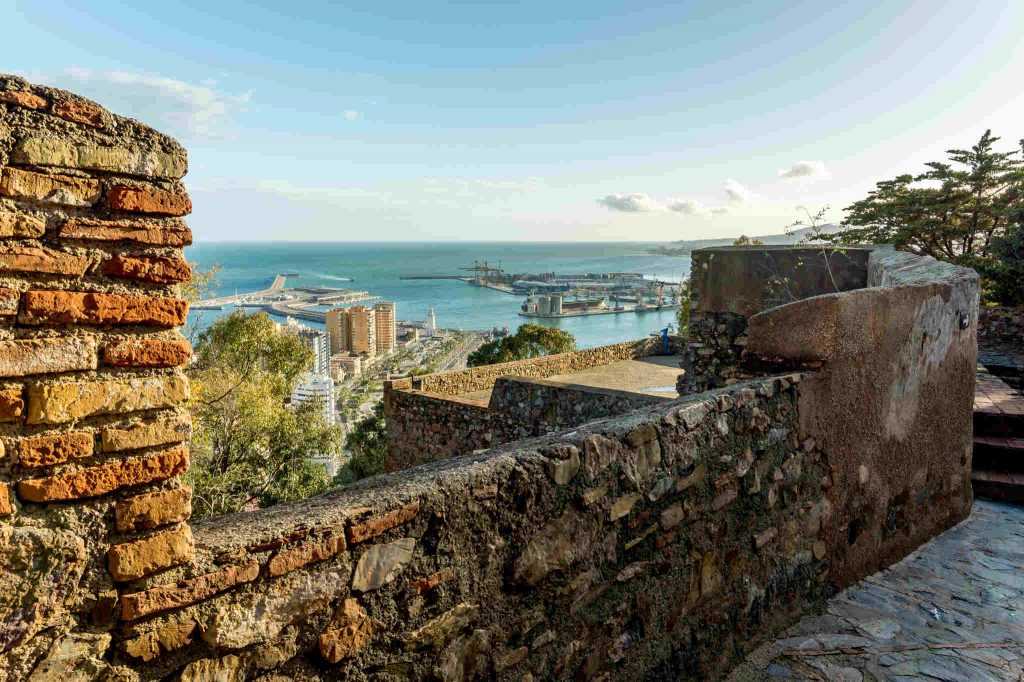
484	271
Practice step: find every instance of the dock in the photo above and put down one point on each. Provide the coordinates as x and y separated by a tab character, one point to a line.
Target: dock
299	302
599	311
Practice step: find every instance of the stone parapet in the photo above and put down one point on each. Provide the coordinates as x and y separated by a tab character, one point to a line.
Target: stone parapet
482	378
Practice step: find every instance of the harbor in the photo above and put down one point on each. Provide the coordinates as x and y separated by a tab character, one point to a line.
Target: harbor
552	295
303	303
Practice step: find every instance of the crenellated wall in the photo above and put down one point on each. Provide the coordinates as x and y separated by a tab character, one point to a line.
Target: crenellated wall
91	426
728	285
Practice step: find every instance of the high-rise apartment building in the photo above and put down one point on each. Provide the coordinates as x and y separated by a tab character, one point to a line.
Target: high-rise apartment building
362	330
384	318
317	341
338	330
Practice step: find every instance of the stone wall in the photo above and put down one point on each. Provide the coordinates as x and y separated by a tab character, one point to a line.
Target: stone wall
892	401
424	427
663	544
1001	343
729	284
656	546
474	379
91	430
1001	325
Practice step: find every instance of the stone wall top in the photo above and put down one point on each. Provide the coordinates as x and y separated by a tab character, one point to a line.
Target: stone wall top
482	378
48	127
745	280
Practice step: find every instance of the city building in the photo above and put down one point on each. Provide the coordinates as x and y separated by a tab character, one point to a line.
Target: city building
319	388
347	364
337	322
362	330
317	341
430	326
384	319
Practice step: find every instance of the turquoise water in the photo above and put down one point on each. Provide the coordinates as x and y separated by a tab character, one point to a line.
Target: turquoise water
376	267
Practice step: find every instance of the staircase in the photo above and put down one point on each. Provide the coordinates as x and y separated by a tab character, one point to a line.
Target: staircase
998	472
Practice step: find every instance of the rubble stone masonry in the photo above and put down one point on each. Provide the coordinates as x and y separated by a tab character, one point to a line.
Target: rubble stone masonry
657	540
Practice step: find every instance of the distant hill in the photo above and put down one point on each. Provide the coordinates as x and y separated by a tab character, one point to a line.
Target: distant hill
685	246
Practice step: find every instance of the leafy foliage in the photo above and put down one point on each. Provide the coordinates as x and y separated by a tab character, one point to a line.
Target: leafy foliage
744	240
529	341
249	447
683	314
1006	273
367	444
956	211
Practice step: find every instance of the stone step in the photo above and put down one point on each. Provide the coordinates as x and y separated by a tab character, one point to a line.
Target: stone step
999	453
998	485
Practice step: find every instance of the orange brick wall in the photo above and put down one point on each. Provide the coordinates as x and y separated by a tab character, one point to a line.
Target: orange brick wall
93	425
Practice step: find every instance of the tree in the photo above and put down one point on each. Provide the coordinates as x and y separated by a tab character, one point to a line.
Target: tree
683	314
367	444
954	211
249	447
529	341
1006	273
744	240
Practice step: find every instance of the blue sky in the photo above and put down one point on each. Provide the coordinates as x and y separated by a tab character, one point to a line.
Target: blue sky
534	121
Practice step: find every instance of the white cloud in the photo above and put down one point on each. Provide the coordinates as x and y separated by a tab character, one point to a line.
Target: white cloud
630	203
193	109
805	169
351	115
736	192
720	210
689	207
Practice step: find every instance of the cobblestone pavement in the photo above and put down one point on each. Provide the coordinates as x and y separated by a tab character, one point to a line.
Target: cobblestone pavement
952	610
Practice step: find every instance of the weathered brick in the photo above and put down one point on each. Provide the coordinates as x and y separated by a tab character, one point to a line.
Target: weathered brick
54	403
53	189
6	507
147	353
80	111
432	581
360	532
161	431
165	637
23	357
148	200
169	232
21	98
288	560
156	269
21	225
9	299
152	510
47	450
12	403
70	307
23	258
42	150
134	560
165	597
105	478
349	631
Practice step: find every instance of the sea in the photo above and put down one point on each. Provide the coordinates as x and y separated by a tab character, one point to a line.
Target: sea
378	268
